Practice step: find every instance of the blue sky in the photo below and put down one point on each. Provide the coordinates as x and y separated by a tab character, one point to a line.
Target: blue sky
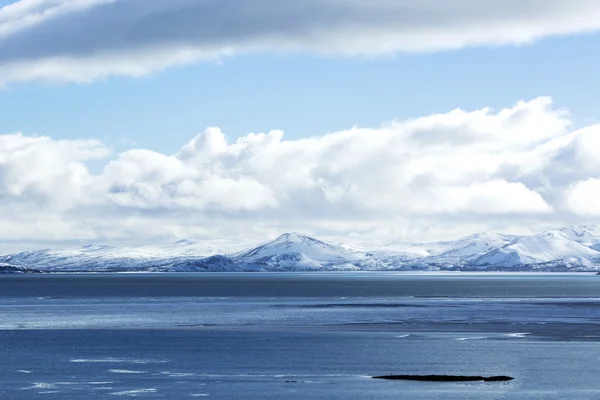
127	121
305	95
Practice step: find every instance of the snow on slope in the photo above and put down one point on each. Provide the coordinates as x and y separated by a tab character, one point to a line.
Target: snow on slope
573	248
471	246
294	251
545	247
588	235
298	243
103	258
466	247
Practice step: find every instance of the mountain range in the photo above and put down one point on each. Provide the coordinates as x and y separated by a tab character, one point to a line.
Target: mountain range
575	248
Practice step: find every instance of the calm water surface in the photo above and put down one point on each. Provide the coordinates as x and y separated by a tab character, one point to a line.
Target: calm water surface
298	336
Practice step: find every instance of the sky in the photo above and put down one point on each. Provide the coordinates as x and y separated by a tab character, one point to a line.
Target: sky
130	122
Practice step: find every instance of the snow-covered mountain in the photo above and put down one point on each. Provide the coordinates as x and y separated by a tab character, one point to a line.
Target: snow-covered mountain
468	246
552	246
584	234
575	248
294	252
184	255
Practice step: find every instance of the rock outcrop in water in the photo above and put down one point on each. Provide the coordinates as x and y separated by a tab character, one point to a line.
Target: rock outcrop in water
446	378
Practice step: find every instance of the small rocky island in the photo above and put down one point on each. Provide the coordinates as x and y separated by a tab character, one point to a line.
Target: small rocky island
446	378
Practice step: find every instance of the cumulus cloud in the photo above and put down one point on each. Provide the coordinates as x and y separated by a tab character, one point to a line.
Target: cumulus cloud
425	178
83	40
582	197
46	171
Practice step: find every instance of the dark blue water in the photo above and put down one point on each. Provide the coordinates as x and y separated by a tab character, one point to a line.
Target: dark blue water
298	336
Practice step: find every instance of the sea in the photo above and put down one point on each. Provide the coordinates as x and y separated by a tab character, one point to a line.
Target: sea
298	335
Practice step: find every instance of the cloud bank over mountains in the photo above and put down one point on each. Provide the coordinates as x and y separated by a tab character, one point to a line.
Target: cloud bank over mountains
84	40
518	170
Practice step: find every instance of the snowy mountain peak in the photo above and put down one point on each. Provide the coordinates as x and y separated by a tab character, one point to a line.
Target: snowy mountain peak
294	237
588	235
575	248
452	251
92	247
487	237
549	246
295	247
185	242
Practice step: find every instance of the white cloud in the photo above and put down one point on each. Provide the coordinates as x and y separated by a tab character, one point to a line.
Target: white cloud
428	177
83	40
583	197
46	171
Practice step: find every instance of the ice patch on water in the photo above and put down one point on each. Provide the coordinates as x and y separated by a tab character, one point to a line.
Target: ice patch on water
43	385
25	371
519	334
116	360
51	386
176	374
134	393
307	376
217	376
126	371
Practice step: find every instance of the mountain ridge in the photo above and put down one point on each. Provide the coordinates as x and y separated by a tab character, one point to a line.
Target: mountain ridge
575	248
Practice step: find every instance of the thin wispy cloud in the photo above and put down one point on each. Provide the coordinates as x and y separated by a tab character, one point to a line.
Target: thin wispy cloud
84	40
491	170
